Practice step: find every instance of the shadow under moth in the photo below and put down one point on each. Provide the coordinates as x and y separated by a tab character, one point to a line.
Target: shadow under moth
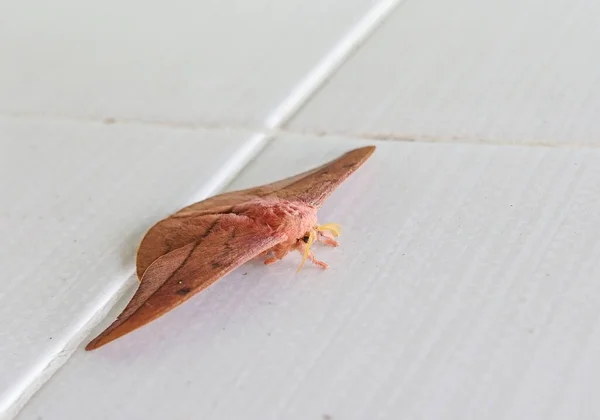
191	249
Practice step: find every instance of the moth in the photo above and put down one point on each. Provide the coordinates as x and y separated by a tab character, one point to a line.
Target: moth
191	249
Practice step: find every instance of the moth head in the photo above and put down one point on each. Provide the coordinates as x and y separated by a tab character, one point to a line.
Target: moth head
309	237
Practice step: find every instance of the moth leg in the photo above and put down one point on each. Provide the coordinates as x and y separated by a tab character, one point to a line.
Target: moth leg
279	252
304	247
324	239
332	229
271	260
321	264
267	255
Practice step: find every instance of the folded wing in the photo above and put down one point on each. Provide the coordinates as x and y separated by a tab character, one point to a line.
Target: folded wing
310	187
225	242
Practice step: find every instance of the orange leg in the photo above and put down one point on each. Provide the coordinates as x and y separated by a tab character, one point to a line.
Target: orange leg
301	246
321	264
279	253
324	239
271	260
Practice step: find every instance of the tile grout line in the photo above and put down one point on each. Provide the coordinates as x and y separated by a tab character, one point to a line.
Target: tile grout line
176	125
330	63
407	138
298	97
63	349
276	131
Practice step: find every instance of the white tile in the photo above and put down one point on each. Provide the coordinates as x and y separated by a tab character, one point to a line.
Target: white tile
466	286
207	62
76	199
514	71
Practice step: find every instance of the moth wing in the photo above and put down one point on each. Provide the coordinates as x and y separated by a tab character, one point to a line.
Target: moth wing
331	174
310	187
169	235
314	186
178	275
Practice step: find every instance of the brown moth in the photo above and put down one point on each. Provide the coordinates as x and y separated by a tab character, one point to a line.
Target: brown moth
191	249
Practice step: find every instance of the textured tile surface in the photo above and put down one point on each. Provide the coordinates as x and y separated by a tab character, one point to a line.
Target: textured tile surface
76	199
209	62
515	71
465	287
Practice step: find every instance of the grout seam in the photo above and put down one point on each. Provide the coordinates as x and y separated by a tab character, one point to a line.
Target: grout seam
274	132
299	96
330	63
420	138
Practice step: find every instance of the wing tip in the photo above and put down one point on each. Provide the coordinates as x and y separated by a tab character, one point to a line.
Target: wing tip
360	155
370	150
95	343
120	327
92	346
364	151
109	334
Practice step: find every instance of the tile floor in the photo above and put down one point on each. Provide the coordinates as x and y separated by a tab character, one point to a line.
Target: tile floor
466	284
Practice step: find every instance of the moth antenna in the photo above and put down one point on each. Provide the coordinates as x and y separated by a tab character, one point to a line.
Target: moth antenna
333	228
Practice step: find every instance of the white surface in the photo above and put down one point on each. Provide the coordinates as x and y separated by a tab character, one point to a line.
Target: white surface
210	62
76	200
40	363
511	71
465	287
